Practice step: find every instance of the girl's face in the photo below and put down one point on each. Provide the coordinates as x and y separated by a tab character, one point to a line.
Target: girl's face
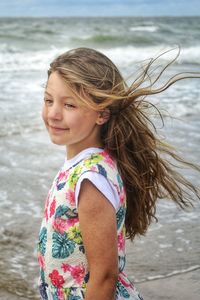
67	122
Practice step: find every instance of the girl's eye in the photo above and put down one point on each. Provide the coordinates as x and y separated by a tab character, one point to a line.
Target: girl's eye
70	106
48	101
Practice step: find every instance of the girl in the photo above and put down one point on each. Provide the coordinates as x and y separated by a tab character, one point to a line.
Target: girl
108	186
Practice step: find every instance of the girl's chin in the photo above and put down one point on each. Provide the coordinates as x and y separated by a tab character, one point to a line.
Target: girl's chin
56	141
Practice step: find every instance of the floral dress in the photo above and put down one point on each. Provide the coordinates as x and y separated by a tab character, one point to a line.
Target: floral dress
64	269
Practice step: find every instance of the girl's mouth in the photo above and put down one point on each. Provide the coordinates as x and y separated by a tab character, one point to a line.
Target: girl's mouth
57	129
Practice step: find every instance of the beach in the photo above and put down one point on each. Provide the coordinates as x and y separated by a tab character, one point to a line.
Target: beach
165	263
182	287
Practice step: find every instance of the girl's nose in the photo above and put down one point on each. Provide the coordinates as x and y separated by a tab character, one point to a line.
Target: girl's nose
55	112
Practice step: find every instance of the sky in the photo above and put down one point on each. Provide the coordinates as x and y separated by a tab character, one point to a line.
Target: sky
86	8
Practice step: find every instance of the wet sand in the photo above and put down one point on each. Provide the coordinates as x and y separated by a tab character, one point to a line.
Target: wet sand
180	287
169	270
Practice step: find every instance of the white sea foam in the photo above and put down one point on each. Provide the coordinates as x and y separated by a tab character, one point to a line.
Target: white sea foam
163	246
124	57
179	249
175	272
29	60
190	55
144	28
179	231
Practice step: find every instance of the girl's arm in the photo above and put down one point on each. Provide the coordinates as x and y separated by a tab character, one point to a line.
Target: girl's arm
97	219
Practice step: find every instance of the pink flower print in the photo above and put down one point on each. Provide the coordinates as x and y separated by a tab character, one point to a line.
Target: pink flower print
124	280
121	242
121	198
70	197
46	214
62	175
93	168
62	225
41	261
56	279
47	200
77	272
109	160
46	207
61	295
52	207
66	267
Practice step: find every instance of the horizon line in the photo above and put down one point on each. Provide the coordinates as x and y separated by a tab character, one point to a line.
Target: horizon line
107	16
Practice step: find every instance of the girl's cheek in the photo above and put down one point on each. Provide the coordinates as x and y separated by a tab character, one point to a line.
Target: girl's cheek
44	114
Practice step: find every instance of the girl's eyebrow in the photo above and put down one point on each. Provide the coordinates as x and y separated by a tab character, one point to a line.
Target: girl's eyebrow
62	97
47	93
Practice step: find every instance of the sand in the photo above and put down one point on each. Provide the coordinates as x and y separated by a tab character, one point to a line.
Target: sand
179	287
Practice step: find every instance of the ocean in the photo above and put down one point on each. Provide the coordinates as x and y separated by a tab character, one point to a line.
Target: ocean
28	160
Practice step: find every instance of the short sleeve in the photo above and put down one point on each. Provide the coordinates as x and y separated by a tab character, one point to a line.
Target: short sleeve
102	184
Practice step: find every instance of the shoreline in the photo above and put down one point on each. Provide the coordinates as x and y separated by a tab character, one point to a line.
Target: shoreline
177	287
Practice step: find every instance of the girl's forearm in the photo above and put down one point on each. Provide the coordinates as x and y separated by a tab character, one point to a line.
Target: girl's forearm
99	289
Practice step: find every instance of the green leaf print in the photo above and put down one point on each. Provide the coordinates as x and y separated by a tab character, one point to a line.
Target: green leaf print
74	234
42	275
93	160
62	246
54	296
62	210
60	186
121	262
72	213
120	182
102	170
121	290
42	240
70	293
73	177
120	216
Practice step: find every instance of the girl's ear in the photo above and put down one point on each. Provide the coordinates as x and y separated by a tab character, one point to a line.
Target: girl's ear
103	116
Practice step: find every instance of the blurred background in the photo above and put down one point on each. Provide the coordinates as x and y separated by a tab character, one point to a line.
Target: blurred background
166	262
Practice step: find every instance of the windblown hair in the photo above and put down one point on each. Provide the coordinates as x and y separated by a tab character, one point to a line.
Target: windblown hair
129	135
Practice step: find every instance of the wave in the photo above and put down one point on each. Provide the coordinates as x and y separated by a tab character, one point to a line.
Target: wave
144	28
173	273
111	40
126	56
190	55
12	59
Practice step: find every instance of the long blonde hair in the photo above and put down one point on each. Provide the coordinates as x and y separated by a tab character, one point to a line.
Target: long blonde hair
130	135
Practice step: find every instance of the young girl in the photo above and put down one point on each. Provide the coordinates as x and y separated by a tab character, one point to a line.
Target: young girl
110	181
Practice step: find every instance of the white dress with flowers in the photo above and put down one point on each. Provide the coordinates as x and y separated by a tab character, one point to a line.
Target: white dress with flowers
61	254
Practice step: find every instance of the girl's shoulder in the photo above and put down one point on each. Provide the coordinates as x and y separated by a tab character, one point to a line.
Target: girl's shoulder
102	163
99	162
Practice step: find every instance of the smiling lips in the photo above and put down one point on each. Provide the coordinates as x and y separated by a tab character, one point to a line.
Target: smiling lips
58	128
